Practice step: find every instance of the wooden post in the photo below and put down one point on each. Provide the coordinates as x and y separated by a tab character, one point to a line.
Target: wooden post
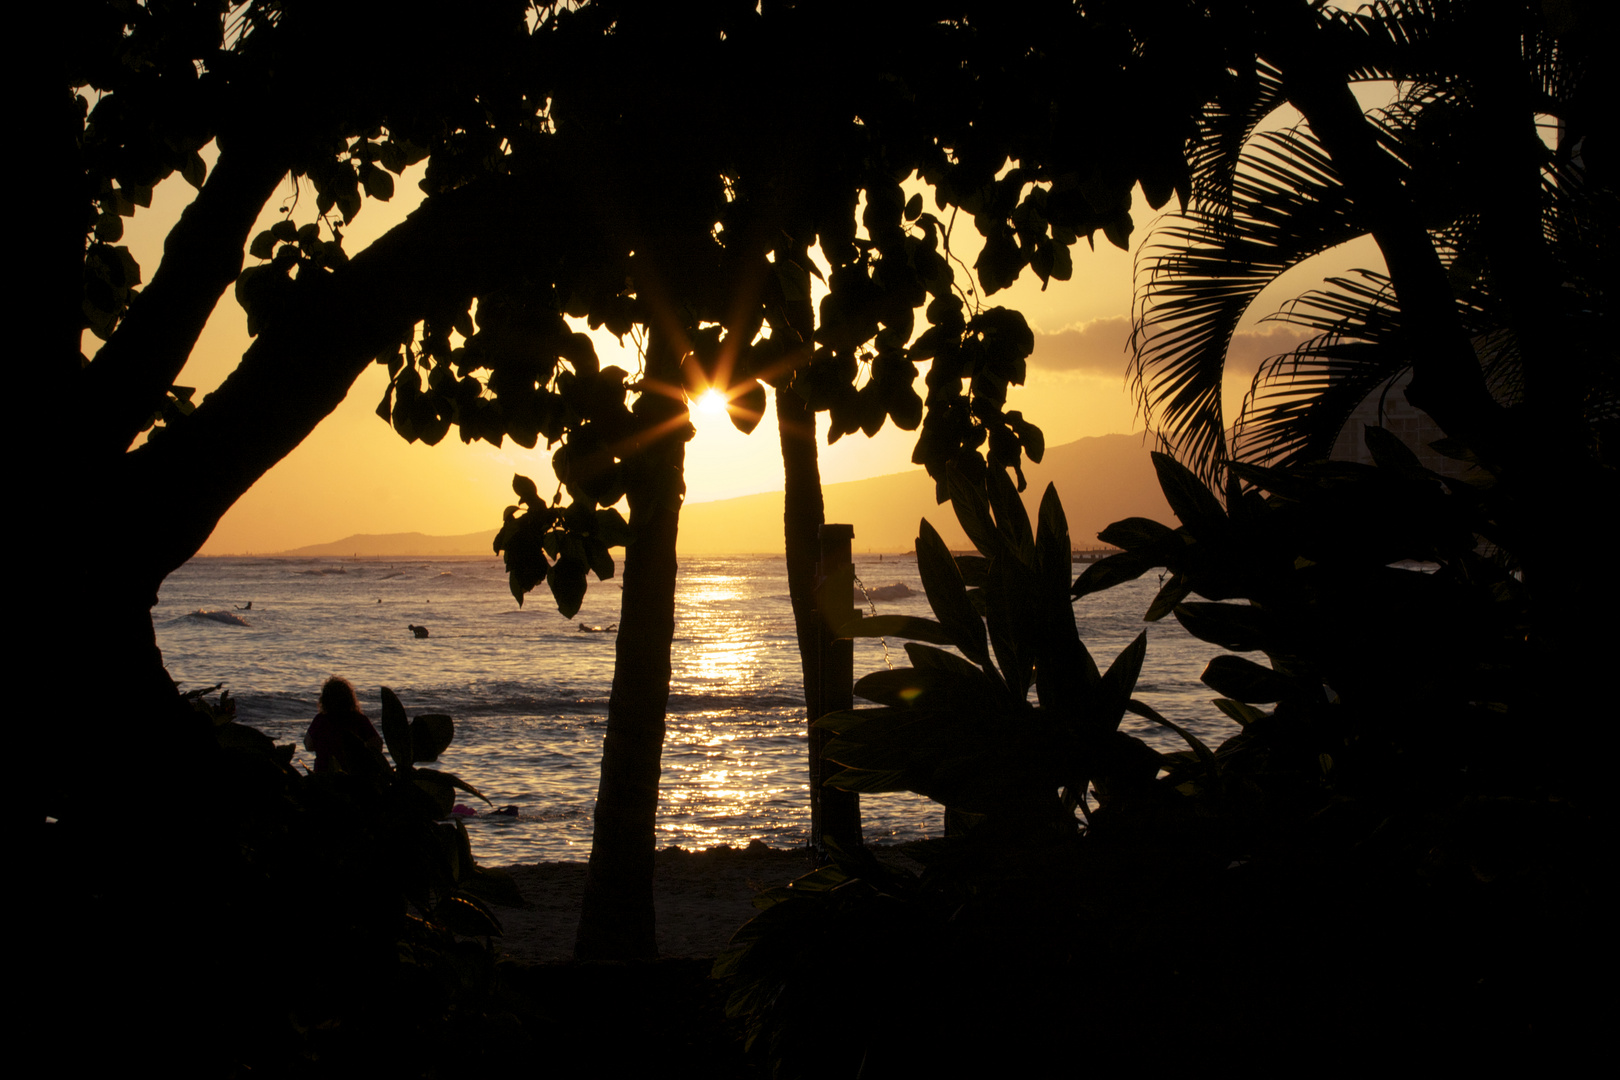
833	813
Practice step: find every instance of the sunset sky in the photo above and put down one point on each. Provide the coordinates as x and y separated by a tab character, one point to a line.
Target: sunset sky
355	475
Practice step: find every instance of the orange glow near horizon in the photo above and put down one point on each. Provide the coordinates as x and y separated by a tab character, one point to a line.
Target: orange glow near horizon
354	475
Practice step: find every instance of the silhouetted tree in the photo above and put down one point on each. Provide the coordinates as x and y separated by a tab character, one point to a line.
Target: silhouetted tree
148	87
561	185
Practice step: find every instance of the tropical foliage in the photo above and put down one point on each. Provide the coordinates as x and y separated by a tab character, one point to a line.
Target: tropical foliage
1377	757
276	921
1479	166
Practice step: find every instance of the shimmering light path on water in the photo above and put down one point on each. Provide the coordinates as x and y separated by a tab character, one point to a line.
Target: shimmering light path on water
529	690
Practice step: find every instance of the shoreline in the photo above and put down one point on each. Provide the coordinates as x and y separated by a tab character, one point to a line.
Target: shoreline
700	898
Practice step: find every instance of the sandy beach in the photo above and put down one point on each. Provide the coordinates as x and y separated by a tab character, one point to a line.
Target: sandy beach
701	899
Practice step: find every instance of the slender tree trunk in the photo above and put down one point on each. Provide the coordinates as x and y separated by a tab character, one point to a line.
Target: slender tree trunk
802	514
616	918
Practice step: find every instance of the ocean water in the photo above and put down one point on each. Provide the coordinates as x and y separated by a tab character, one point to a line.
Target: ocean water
528	689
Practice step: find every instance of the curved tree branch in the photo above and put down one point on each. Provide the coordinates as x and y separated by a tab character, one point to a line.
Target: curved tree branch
1446	378
202	255
301	367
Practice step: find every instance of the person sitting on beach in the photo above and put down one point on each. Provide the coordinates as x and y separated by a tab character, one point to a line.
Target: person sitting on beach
341	737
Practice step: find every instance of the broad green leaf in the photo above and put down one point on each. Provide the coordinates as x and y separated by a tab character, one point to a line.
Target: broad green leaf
1052	542
973	512
947	595
747	408
1244	680
431	733
525	490
1237	627
1136	533
1118	684
396	730
896	626
612	529
597	555
1114	570
896	689
1192	502
1203	752
453	781
194	170
467	916
379	185
928	658
870	781
1012	519
441	796
1238	712
568	584
1171	593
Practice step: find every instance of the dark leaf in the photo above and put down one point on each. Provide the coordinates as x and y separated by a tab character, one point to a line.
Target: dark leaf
396	730
465	915
1244	680
1188	737
431	733
747	408
947	595
568	583
1237	627
1199	510
896	626
1114	570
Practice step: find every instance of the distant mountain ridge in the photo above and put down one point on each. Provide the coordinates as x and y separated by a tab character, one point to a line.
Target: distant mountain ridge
1100	480
398	545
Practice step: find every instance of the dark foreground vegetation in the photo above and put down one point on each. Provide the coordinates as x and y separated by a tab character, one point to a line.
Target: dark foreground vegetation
1382	864
1396	858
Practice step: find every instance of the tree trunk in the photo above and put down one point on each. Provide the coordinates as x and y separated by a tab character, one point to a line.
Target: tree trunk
1446	378
802	515
616	917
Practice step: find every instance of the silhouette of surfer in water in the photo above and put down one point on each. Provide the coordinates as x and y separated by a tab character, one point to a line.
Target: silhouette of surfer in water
419	631
245	607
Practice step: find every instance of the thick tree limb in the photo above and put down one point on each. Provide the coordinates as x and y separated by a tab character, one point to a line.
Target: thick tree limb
1446	378
201	258
301	368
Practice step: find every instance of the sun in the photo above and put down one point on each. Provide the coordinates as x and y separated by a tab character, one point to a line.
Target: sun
711	402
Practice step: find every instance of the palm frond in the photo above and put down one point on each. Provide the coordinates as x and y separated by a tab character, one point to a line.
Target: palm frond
1301	400
1224	128
1288	204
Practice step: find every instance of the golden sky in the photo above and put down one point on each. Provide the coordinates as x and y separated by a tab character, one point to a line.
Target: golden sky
355	475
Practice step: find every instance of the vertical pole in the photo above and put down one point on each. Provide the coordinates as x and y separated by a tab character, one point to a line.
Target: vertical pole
833	814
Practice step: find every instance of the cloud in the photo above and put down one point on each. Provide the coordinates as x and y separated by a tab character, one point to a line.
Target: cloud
1102	347
1252	347
1094	348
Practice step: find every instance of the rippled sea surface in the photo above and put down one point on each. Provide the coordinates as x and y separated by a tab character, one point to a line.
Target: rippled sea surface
529	689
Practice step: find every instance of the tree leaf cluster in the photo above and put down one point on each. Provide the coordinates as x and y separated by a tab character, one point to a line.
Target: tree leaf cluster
717	249
959	727
1367	664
